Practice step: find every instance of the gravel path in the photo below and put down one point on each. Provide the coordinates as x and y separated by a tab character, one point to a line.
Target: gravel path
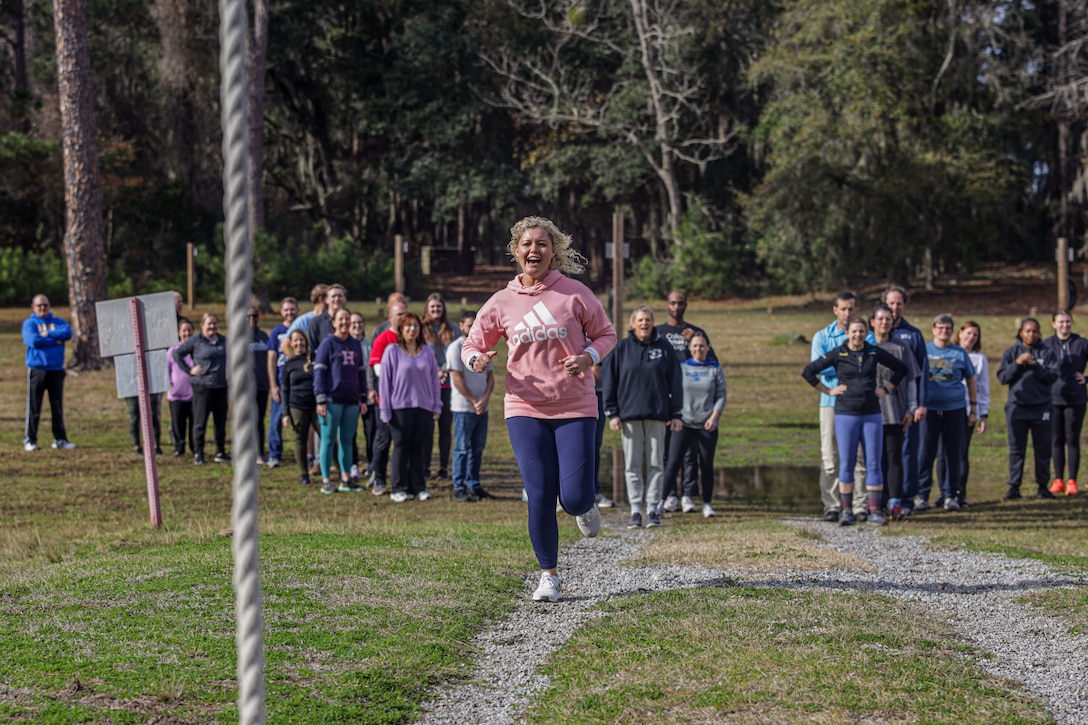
976	592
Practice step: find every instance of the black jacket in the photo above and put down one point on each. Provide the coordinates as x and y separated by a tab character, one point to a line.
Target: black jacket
857	370
297	385
642	380
1072	356
1029	385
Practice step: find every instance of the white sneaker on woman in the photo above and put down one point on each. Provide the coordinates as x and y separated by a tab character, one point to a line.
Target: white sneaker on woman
550	588
687	505
589	523
707	511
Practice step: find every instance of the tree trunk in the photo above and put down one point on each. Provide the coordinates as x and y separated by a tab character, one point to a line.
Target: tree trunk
256	65
82	189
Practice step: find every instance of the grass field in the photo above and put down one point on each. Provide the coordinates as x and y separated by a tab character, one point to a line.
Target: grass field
369	605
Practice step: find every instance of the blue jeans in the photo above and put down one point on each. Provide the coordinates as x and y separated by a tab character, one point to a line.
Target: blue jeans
275	431
469	439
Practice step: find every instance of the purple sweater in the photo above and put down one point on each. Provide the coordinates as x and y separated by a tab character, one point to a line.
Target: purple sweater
408	381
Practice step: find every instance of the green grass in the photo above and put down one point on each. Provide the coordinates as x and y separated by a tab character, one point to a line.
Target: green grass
743	654
368	606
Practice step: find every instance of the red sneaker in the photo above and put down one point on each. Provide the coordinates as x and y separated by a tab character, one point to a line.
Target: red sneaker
1057	486
1071	488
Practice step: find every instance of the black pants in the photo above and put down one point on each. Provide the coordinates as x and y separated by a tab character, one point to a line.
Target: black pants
1022	420
303	422
38	383
369	426
700	443
965	461
892	462
689	474
213	402
411	429
1068	420
445	436
380	463
262	411
133	405
948	427
181	424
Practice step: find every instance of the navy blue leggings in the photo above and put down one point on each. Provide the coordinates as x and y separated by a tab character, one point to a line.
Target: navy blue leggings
869	431
537	443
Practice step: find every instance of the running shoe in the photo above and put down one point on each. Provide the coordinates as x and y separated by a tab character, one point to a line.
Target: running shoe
349	486
589	523
30	447
708	511
951	504
550	589
63	444
328	487
1071	488
846	518
423	495
672	504
603	502
398	496
876	519
687	505
652	519
636	521
1057	486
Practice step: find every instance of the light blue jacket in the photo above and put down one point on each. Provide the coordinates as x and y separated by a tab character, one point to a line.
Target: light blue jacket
823	342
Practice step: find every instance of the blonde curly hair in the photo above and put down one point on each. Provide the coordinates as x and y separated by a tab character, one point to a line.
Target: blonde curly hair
565	259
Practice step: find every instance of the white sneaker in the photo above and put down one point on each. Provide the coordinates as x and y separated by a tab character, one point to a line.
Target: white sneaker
524	496
423	495
687	505
398	497
30	447
707	511
354	472
603	502
672	504
63	445
589	523
550	588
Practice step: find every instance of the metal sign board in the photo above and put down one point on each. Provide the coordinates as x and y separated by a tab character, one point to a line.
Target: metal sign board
158	376
115	324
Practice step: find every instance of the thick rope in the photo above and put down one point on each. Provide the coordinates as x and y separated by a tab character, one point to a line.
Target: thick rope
247	585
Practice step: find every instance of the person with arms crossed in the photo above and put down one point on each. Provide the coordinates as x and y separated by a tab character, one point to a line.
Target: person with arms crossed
44	335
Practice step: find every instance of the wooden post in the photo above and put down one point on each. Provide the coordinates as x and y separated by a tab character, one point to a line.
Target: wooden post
190	253
398	263
151	467
1063	273
617	271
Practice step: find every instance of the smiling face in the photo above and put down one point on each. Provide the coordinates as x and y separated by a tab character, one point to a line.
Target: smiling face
855	334
209	326
643	325
534	253
699	348
299	342
942	333
1029	334
336	299
882	324
1063	326
894	300
358	326
969	337
289	311
185	331
435	310
341	323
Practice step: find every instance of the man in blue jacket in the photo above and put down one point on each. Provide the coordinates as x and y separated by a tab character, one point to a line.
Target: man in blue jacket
44	335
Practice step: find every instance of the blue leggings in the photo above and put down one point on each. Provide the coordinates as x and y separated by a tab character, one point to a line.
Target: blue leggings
537	443
338	426
869	431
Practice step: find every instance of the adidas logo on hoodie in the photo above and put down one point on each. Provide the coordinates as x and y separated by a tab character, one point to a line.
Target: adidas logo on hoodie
536	326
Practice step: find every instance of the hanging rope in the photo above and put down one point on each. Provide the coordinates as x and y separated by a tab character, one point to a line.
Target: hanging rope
247	585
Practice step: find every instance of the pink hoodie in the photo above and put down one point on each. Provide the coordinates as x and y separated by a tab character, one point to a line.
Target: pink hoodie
543	324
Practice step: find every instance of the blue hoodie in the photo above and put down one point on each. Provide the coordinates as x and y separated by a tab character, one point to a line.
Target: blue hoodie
44	338
340	371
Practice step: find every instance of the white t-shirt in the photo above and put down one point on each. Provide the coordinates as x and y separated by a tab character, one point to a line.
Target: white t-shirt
474	381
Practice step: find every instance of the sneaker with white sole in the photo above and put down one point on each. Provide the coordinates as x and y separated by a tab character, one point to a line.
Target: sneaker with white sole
603	502
636	521
550	589
30	447
589	523
354	472
652	519
672	504
273	463
63	444
524	496
687	505
423	495
398	496
659	509
707	511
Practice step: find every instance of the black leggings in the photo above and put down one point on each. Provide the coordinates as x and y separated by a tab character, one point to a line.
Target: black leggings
893	459
213	402
700	441
1068	420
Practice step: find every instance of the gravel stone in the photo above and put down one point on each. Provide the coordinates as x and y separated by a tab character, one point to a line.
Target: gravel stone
976	592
